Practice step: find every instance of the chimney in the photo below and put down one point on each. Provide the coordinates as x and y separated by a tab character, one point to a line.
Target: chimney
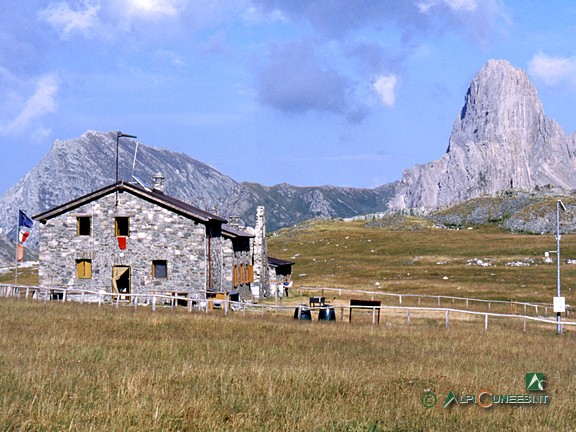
234	221
158	182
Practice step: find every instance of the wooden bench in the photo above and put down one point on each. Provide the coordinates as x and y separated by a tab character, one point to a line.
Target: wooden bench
317	301
365	304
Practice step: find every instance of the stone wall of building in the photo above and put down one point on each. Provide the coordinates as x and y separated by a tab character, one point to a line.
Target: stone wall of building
155	233
236	253
260	251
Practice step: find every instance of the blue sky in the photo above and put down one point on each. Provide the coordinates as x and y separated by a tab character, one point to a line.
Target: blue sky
340	92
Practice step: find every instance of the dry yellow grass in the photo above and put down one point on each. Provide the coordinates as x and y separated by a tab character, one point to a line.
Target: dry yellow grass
422	259
80	367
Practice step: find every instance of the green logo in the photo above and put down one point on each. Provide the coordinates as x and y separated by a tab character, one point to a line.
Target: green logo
429	399
535	381
449	399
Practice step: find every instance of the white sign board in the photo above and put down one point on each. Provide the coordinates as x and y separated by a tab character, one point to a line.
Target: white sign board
559	304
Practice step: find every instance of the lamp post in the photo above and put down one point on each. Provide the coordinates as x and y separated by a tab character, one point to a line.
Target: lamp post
557	301
119	134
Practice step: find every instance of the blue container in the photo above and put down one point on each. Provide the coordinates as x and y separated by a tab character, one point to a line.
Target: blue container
302	312
327	314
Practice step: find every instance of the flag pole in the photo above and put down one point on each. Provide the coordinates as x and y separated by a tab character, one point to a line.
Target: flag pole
17	242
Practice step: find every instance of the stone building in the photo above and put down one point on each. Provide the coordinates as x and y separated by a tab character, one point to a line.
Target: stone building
126	238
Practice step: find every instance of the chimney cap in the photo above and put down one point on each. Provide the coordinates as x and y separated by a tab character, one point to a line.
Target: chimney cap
158	182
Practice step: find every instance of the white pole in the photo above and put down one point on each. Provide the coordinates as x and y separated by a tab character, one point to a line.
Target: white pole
558	316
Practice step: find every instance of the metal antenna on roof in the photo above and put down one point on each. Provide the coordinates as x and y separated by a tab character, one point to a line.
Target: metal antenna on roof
118	135
134	160
136	179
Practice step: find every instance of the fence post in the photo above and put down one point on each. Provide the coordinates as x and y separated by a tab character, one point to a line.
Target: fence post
153	303
64	296
524	308
400	298
438	301
27	291
226	307
485	322
408	316
524	324
466	303
489	305
117	301
447	319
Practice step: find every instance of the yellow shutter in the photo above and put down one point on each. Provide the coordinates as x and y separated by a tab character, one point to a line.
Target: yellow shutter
242	274
88	269
84	269
235	275
250	274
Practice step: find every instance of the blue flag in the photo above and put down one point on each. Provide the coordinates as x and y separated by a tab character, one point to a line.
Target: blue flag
24	221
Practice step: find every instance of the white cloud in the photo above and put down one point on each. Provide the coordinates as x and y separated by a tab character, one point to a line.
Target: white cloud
154	7
455	5
41	103
254	15
385	87
67	21
553	70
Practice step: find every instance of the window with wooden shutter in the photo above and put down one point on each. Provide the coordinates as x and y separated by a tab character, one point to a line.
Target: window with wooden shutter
84	268
249	274
122	226
235	275
242	274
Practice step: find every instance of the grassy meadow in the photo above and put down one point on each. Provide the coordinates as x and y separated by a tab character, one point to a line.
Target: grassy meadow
80	367
408	255
83	368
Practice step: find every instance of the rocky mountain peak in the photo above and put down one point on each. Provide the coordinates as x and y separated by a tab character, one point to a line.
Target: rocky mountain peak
499	95
501	140
75	167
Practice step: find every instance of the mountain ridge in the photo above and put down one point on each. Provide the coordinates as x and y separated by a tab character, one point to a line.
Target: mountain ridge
501	141
75	167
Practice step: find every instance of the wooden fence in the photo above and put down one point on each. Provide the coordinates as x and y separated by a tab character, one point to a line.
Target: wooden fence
439	300
226	306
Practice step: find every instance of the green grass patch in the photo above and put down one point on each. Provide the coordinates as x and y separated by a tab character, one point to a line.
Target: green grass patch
419	258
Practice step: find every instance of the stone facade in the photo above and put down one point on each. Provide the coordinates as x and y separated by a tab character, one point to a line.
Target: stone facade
167	249
260	256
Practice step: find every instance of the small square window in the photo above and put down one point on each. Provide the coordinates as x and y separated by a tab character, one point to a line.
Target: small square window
122	226
159	269
84	225
84	268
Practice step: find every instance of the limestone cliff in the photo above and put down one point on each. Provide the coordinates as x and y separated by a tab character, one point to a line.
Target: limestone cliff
501	140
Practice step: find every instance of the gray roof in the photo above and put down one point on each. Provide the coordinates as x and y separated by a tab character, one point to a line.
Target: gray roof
233	232
275	262
154	197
